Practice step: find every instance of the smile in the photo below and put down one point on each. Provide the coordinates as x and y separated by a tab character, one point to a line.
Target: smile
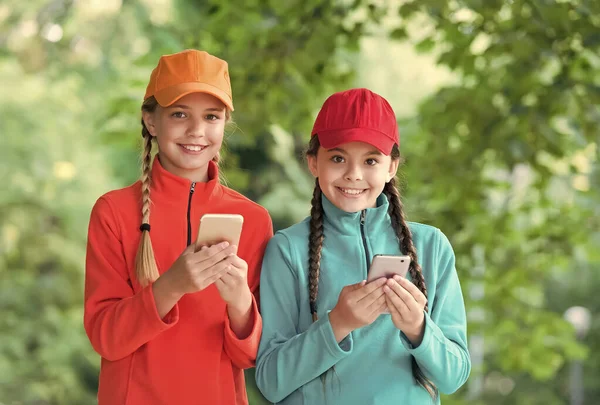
194	148
351	191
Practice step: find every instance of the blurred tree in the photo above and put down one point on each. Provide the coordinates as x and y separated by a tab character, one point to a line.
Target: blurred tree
510	166
50	174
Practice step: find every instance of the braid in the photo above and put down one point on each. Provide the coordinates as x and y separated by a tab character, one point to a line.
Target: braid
315	244
146	269
145	178
404	235
406	245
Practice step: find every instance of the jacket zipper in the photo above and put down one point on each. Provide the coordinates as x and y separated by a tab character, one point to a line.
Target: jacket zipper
363	215
189	221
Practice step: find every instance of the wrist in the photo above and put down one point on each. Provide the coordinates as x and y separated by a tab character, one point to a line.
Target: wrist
416	336
167	287
242	305
339	330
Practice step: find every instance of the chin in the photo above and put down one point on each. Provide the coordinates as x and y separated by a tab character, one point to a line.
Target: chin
352	206
193	163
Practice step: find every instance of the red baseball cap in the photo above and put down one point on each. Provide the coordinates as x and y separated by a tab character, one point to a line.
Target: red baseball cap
357	115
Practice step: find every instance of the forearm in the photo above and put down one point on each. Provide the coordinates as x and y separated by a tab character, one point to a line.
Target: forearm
241	316
165	296
415	335
339	330
282	365
444	361
111	331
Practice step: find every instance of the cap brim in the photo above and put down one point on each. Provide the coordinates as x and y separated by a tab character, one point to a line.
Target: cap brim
168	96
333	138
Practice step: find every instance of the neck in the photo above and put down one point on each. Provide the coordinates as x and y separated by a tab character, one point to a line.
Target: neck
198	175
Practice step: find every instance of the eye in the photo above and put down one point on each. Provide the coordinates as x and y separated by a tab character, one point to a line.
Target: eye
179	114
337	159
371	162
212	117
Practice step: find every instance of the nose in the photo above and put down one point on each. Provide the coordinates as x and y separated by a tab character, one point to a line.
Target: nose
196	128
353	173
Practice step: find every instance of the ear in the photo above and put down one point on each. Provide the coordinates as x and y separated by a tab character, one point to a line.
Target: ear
148	118
393	169
312	165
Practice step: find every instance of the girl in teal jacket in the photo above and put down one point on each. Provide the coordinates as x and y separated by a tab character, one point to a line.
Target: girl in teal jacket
329	337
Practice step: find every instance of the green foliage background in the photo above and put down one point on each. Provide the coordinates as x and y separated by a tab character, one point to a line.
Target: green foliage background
499	113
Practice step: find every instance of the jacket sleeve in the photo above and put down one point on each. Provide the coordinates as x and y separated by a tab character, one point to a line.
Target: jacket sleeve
242	352
283	365
117	320
443	354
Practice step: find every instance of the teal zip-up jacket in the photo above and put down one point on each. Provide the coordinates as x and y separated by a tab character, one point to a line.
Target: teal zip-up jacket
372	365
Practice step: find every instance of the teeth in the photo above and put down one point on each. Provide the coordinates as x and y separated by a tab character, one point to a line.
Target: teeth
351	191
194	148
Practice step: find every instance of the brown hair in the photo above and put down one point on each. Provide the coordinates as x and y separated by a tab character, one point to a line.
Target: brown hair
146	269
402	230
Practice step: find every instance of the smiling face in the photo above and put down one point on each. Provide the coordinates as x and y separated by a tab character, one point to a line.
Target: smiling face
189	134
352	175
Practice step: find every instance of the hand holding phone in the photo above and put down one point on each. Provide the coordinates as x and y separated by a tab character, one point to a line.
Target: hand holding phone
358	305
233	283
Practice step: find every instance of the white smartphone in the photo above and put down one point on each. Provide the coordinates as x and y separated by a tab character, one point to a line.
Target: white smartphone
216	228
388	266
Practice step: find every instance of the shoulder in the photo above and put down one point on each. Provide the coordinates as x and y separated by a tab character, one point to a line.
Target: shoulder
430	239
298	231
126	196
434	250
117	200
291	242
248	208
113	208
423	232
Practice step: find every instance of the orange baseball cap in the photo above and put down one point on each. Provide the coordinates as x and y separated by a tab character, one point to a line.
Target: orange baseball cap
187	72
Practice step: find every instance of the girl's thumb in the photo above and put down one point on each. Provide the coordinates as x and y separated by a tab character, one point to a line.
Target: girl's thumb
190	249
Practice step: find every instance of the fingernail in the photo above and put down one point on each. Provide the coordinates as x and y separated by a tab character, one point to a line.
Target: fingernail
397	278
223	245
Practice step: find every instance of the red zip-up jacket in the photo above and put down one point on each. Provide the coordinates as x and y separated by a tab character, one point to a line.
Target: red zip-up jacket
191	356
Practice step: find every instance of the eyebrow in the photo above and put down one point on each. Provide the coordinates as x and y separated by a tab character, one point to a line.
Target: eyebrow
371	152
185	107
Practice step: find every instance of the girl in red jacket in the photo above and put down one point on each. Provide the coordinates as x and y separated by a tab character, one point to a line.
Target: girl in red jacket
173	327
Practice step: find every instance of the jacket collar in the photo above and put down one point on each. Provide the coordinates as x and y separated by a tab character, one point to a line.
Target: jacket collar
165	183
348	223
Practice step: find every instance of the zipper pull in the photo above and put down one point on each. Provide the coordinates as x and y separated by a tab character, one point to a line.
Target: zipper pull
193	187
363	215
